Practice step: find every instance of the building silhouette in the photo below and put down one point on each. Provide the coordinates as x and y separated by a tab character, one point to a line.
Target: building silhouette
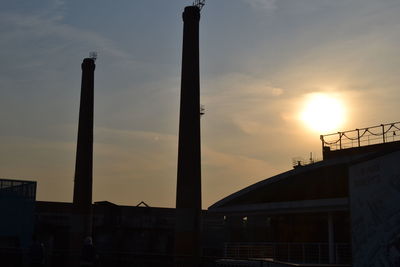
299	216
304	215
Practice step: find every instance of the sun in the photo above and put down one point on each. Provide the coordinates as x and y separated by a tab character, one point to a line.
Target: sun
323	113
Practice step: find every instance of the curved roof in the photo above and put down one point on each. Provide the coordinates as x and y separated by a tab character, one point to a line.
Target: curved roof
322	180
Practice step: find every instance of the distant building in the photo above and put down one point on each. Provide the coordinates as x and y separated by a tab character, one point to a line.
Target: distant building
17	202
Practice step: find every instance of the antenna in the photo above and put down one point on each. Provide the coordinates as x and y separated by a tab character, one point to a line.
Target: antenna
199	3
93	55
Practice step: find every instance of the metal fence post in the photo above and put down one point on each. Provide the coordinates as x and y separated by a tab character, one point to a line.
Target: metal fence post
383	132
319	253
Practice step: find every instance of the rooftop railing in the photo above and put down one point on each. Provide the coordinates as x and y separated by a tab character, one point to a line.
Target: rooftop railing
378	134
26	189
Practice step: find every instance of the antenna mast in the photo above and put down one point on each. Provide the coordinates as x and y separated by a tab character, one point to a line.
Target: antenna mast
93	55
199	3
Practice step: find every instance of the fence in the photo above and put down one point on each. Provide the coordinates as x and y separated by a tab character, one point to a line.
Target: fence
267	263
305	253
317	253
16	257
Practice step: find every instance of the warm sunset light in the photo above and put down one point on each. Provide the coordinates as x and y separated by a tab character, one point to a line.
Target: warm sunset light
323	113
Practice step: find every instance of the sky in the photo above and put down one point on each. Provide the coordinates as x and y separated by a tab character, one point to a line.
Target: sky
261	60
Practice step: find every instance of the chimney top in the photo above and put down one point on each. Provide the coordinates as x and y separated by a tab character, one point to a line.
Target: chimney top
191	13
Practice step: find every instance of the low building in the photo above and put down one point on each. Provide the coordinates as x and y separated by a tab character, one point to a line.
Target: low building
17	203
123	235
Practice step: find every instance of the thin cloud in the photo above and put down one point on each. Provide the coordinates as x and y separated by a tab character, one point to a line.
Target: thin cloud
263	4
48	27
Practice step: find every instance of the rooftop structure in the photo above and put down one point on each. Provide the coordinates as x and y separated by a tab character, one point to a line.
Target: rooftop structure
18	188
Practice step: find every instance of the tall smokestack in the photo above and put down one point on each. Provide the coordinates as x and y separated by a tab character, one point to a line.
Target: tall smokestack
188	194
82	202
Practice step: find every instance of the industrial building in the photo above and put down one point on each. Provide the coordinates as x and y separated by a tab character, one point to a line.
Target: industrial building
300	216
123	235
308	214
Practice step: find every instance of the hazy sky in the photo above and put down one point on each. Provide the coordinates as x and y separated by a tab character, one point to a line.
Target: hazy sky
260	60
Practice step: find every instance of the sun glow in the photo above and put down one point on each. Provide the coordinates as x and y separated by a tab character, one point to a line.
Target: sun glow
323	113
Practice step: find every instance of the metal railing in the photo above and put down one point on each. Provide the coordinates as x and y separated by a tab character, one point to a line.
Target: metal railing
317	253
379	134
17	257
266	263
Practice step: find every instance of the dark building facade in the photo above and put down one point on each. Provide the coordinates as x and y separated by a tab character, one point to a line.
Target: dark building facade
123	235
17	203
298	216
